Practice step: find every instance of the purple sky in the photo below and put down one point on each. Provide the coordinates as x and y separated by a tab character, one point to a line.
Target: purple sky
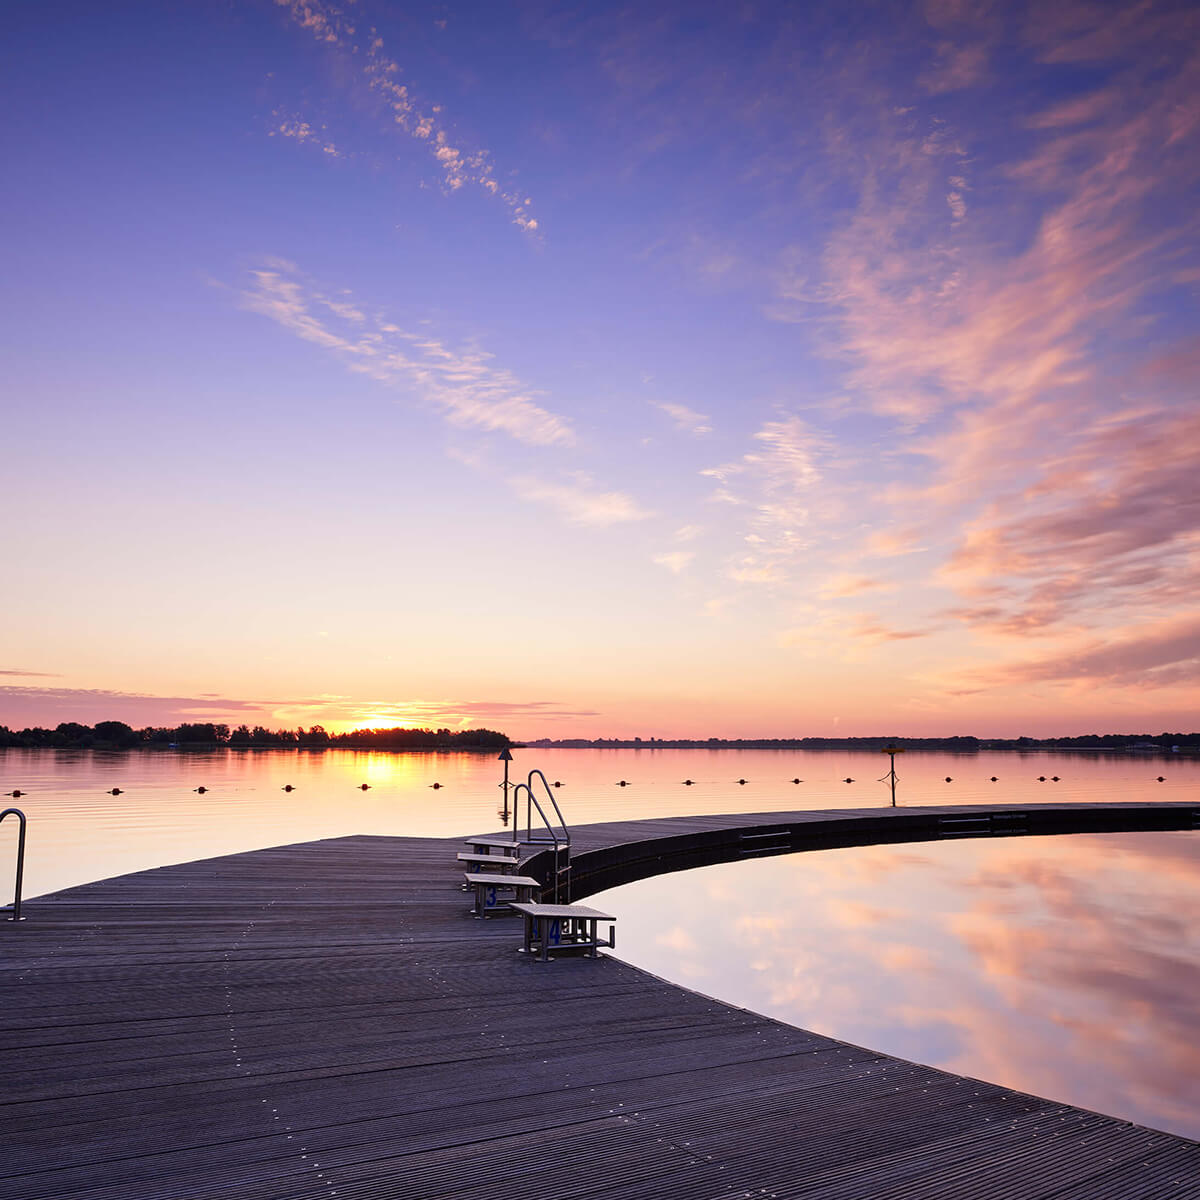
585	370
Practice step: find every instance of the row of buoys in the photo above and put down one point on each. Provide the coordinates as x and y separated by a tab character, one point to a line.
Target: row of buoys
691	782
16	794
848	779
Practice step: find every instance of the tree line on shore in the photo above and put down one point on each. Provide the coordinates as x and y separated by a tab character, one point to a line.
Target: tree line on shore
961	744
116	735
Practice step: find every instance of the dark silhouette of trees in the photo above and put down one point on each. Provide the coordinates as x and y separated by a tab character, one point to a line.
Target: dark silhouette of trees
201	735
116	735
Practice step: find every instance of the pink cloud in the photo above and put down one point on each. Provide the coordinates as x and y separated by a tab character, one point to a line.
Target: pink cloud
1164	655
844	586
22	706
1072	486
29	706
1113	523
956	67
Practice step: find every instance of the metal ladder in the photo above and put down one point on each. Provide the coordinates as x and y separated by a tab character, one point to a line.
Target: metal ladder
15	906
556	837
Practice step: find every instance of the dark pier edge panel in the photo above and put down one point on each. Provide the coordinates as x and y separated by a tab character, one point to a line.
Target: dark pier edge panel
601	860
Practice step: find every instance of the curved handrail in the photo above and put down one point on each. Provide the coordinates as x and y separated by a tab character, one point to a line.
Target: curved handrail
531	802
16	904
560	843
553	801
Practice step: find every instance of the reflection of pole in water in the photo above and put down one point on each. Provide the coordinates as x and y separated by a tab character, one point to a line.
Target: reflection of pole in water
891	777
505	758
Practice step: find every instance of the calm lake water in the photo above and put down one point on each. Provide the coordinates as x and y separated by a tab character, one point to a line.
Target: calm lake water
1067	966
1063	966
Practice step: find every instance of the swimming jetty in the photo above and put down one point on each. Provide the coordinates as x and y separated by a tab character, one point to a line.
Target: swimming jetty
327	1020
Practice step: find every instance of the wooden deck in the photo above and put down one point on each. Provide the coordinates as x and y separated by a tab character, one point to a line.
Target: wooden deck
325	1020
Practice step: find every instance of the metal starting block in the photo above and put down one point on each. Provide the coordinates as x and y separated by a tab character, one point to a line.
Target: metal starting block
495	893
563	928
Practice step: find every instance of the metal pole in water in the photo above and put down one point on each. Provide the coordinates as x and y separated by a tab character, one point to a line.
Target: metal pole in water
16	904
891	751
506	758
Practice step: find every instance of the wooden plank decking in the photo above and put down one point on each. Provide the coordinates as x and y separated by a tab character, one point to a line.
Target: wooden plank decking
326	1020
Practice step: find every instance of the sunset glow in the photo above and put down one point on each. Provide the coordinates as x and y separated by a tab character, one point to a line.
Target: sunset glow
590	370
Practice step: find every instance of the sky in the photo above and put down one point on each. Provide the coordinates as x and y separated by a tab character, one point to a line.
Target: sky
580	370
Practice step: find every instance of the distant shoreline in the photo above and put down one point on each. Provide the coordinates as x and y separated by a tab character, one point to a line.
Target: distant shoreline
1178	743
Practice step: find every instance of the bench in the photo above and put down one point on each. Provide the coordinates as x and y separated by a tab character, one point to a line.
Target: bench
563	927
493	893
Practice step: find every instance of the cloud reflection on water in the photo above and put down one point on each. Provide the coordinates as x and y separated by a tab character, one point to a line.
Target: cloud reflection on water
1064	966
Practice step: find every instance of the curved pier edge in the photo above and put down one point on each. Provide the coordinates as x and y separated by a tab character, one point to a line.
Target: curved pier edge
613	853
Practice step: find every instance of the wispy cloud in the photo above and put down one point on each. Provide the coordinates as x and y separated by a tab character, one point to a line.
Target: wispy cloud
847	635
777	483
892	543
1108	529
930	322
685	418
380	73
579	502
25	706
986	322
843	586
17	672
299	130
1164	655
956	67
676	561
436	713
465	384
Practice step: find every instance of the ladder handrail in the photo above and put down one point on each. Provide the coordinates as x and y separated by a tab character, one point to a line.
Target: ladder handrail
561	844
553	801
531	802
16	904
